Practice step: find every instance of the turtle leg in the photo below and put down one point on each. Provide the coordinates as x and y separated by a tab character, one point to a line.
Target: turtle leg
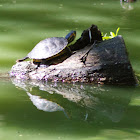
84	57
42	63
20	60
38	65
36	62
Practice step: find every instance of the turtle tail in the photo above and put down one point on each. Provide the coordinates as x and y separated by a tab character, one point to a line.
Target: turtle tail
20	60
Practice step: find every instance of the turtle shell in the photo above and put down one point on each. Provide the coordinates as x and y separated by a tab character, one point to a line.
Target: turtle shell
48	48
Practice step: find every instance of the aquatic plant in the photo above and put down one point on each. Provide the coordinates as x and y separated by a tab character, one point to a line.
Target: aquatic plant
112	35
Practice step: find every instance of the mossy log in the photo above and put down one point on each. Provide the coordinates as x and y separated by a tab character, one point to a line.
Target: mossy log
106	63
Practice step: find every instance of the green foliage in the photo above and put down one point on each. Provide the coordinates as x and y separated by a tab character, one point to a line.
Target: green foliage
112	35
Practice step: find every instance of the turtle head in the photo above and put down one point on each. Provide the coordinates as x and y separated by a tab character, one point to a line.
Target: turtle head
71	36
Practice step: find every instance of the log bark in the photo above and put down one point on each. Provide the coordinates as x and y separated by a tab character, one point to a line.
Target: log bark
106	63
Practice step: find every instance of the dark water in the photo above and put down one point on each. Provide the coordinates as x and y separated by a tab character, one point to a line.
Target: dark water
40	111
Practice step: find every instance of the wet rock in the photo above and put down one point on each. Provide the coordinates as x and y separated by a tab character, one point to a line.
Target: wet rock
21	70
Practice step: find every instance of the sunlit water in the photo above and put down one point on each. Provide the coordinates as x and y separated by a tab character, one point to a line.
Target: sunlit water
40	111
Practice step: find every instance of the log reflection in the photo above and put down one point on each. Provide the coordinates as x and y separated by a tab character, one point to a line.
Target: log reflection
81	102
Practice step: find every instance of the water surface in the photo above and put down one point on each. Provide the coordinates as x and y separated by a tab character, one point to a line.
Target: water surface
32	110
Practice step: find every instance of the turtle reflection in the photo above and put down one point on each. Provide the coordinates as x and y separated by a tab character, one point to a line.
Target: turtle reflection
81	102
43	104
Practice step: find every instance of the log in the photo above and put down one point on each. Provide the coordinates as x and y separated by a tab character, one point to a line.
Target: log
106	63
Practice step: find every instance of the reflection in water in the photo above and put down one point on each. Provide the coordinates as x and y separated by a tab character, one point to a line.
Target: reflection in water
80	102
43	104
127	4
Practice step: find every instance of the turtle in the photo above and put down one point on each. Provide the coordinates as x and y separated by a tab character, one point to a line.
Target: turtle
50	48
